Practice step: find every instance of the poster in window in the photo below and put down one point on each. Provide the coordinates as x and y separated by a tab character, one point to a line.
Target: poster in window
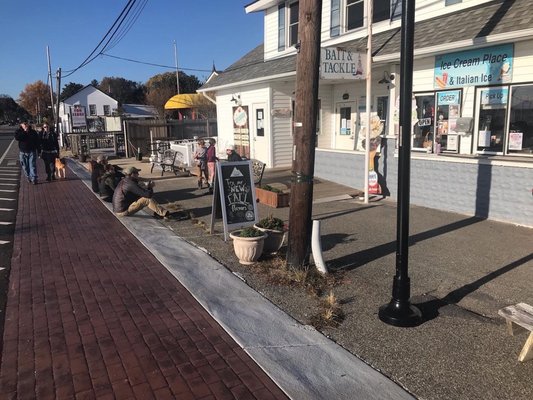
484	138
515	140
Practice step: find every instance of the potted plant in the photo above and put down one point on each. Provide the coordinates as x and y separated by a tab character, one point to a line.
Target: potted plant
275	228
248	244
272	196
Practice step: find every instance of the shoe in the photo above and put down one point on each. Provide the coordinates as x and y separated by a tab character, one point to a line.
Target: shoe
35	182
166	217
48	179
199	184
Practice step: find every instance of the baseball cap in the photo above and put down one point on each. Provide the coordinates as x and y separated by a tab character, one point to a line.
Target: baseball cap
131	170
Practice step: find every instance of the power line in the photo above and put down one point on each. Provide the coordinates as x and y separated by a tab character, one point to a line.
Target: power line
155	65
120	20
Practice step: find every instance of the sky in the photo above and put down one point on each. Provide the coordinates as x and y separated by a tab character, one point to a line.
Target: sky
205	31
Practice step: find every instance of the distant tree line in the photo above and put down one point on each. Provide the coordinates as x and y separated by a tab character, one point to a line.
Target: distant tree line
35	101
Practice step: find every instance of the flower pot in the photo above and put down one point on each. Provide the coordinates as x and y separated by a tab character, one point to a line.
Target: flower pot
247	249
273	241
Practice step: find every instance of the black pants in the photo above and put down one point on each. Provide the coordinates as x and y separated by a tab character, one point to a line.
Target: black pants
49	160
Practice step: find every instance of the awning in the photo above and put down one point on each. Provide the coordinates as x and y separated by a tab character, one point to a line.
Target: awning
187	100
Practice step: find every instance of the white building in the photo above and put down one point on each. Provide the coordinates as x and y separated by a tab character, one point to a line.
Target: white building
472	140
86	109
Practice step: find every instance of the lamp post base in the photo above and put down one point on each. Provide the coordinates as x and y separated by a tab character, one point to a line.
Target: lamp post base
400	313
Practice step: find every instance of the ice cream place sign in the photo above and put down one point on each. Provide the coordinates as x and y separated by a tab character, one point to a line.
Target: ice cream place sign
485	66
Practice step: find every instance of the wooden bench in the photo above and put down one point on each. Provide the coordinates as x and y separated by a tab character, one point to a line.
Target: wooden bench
519	319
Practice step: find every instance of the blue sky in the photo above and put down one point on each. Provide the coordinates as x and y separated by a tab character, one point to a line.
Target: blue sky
205	31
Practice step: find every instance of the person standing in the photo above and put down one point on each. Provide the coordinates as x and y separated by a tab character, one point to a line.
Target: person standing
49	151
200	157
28	146
211	163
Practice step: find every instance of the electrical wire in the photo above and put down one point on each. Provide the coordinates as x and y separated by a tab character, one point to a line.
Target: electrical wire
126	29
155	65
119	20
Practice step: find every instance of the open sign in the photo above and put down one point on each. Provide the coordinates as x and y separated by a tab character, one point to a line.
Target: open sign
424	122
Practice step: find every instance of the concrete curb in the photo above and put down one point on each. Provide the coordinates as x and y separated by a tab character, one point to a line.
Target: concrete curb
299	359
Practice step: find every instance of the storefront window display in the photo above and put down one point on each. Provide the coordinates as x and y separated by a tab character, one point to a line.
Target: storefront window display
520	139
491	119
423	130
448	110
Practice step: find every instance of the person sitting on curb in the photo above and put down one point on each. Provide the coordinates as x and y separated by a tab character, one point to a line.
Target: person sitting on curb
108	182
97	170
129	197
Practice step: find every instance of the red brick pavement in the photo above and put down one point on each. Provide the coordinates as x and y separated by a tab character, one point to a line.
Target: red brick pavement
92	314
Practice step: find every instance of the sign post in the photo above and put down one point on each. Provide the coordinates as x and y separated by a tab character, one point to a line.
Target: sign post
234	186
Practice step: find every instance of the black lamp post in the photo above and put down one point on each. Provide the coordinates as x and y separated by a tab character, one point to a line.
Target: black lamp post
400	311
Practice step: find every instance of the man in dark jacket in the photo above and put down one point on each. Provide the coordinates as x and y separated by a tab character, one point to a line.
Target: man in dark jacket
129	197
49	151
29	144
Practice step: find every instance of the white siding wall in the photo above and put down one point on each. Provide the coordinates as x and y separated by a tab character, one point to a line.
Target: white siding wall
249	95
325	94
282	94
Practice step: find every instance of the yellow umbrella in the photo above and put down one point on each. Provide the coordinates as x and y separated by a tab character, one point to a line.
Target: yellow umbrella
187	100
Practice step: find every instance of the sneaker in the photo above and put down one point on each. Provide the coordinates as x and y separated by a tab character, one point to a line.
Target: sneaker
166	217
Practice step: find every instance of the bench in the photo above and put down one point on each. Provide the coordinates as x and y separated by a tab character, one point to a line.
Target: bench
258	168
167	162
519	319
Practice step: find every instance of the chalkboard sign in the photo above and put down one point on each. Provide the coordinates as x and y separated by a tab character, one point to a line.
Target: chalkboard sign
237	194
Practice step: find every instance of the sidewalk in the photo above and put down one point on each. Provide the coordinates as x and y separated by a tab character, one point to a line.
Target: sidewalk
462	270
93	314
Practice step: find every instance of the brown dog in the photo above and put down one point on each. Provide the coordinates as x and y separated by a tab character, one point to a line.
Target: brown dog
61	171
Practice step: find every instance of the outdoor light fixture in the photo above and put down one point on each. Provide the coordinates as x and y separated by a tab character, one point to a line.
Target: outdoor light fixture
386	78
236	98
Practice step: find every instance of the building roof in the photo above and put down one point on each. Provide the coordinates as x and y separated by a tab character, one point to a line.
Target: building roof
473	24
139	110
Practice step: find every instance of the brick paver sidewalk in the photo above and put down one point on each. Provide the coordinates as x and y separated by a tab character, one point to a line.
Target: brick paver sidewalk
92	314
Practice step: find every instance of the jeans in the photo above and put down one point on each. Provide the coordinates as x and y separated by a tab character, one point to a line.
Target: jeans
28	162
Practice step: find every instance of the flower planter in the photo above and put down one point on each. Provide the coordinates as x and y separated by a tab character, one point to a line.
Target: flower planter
272	199
247	249
273	241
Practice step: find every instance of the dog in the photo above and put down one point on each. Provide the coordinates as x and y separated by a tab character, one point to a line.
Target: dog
61	171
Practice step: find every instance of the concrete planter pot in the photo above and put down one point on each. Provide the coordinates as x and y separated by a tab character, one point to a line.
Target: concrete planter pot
274	240
247	249
272	199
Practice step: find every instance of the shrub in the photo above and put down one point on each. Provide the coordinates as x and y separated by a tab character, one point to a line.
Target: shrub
271	222
250	232
271	189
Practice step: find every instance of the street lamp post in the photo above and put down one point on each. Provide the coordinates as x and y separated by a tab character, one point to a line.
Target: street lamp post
400	311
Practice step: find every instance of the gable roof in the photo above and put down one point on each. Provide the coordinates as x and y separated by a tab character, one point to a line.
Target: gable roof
85	88
467	27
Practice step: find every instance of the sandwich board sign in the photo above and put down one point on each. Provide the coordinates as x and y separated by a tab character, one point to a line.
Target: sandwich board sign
234	193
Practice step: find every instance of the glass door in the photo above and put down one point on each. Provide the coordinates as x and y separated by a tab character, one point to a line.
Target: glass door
345	125
448	110
424	129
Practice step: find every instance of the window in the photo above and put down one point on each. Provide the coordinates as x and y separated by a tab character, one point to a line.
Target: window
260	122
450	2
281	27
107	110
354	14
293	23
92	109
520	139
288	19
491	119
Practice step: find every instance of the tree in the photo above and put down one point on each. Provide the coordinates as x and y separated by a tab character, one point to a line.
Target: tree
70	89
35	98
94	83
161	87
123	90
10	110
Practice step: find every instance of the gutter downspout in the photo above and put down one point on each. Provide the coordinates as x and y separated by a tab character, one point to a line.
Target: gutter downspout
208	98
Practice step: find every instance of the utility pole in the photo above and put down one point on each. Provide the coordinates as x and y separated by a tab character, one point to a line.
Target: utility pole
399	311
368	105
51	84
177	72
304	132
58	90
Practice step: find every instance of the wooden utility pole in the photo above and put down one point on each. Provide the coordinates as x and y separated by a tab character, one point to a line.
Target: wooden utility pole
304	133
